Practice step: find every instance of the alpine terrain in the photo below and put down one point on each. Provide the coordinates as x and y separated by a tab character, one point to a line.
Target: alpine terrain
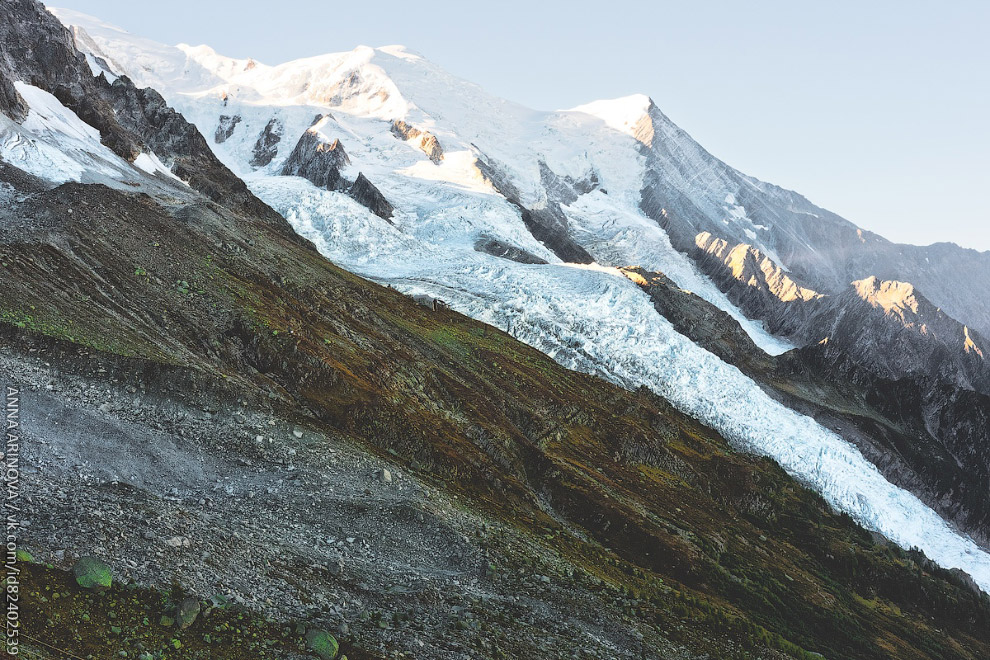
347	357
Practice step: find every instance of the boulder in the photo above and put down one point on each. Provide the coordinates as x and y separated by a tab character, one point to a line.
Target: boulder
186	612
91	573
322	643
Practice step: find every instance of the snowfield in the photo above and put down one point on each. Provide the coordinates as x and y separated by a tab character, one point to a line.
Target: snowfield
589	318
54	144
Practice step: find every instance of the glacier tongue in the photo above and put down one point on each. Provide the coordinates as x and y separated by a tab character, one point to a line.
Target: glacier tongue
588	318
593	319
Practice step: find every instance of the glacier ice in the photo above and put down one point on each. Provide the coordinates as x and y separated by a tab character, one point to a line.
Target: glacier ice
589	318
593	319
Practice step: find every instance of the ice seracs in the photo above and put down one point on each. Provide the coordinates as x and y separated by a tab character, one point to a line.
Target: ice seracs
616	178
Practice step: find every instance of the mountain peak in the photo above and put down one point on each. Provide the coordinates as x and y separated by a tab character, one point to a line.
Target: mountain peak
398	50
627	114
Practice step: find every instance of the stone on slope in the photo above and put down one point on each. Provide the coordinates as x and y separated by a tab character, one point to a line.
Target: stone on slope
92	573
322	643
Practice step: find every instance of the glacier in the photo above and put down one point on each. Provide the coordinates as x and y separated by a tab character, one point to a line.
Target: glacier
595	320
587	317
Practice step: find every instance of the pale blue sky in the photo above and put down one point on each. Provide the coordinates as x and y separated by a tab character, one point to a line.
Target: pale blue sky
876	110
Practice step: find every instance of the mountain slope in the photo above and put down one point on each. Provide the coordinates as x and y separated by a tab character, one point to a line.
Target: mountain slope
630	497
689	192
888	326
504	505
926	435
534	183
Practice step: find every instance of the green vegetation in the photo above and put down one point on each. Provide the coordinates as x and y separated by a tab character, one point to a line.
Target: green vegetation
91	573
719	551
60	615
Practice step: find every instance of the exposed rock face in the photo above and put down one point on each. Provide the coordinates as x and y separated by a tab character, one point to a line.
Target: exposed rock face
499	248
760	287
11	103
167	133
266	148
694	317
688	191
226	128
547	224
895	330
928	437
366	194
425	140
885	326
320	160
317	159
36	48
565	190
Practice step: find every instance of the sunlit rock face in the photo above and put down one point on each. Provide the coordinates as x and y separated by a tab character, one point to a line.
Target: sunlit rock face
424	140
886	325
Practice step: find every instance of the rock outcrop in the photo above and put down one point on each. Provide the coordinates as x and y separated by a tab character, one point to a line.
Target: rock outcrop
424	140
266	147
498	248
547	223
318	159
365	193
760	287
226	128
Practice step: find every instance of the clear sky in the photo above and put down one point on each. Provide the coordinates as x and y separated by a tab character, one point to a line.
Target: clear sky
877	110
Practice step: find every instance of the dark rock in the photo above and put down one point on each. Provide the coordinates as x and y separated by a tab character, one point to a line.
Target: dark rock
318	160
322	643
11	103
548	225
186	612
266	148
365	193
226	128
566	190
92	573
498	248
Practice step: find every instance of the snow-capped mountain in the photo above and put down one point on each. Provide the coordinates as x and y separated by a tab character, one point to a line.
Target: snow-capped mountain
422	181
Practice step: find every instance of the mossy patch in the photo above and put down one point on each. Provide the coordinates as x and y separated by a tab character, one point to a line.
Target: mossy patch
126	618
92	573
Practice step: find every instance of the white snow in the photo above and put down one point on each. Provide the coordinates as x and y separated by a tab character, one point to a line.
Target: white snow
589	317
54	144
150	163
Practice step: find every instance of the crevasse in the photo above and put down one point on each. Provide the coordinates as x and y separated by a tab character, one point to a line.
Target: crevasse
611	329
593	319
